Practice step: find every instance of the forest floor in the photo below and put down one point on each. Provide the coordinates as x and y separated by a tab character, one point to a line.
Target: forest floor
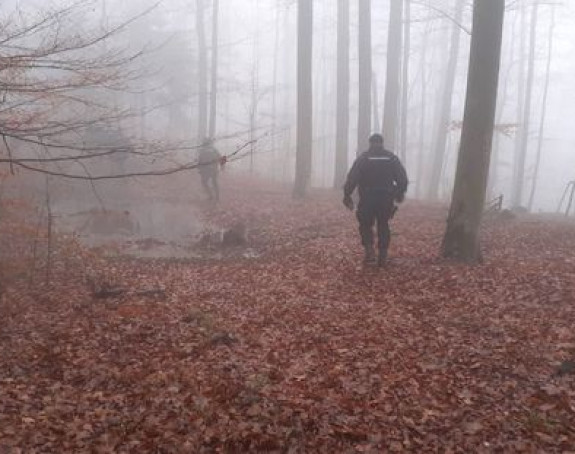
297	348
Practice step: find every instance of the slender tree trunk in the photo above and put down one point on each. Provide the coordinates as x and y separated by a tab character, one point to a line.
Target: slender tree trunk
364	55
405	80
342	108
445	109
524	131
202	72
214	82
543	112
461	240
288	110
391	104
520	100
304	98
275	87
255	88
423	113
376	122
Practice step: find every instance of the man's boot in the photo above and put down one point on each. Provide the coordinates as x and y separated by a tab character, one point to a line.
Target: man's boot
369	257
382	258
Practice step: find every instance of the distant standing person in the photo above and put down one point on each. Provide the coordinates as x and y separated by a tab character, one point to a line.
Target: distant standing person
209	160
381	181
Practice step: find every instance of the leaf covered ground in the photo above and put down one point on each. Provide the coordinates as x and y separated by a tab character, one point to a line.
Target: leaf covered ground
298	348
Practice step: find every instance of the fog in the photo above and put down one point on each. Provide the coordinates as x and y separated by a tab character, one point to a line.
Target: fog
287	226
259	39
157	90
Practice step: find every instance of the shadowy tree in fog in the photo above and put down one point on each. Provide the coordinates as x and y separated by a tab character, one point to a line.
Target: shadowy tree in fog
542	122
523	137
375	121
422	112
202	72
58	80
444	119
65	84
405	80
276	57
392	84
365	74
214	82
255	95
304	98
342	108
461	240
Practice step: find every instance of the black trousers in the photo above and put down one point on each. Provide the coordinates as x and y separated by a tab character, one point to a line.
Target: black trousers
375	210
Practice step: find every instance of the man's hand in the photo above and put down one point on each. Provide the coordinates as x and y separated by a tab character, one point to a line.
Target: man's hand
348	202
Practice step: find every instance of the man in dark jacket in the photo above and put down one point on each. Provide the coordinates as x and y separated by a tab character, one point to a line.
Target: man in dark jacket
381	181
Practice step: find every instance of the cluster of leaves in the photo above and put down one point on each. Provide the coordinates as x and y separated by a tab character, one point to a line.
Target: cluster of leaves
302	350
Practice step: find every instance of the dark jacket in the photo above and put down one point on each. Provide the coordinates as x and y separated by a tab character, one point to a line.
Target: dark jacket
377	172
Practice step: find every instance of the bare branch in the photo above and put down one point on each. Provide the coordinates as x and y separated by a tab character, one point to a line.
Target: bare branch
163	172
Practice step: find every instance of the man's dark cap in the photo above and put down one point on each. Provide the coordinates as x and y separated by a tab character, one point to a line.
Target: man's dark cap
376	139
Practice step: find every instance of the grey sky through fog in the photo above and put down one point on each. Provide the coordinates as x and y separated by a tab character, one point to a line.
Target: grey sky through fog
238	20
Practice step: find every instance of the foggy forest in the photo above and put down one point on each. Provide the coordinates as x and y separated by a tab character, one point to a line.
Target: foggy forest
287	226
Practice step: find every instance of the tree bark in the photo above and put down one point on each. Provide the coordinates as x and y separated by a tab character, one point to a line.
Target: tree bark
422	113
391	104
461	240
202	72
375	104
520	99
365	73
342	108
255	88
405	80
524	129
304	98
275	87
543	112
214	82
445	109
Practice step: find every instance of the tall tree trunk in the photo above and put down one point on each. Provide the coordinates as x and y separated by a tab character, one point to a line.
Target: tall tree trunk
422	112
524	129
375	104
255	88
543	111
391	104
520	98
304	98
275	87
288	109
445	109
364	56
461	240
214	86
342	108
405	80
202	72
